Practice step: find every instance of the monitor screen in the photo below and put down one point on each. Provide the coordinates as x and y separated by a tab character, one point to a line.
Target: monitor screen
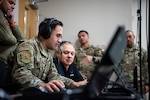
111	58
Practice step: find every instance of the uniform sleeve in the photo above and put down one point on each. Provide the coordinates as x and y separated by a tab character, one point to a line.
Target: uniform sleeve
121	64
75	58
145	67
53	75
18	34
98	53
8	35
22	71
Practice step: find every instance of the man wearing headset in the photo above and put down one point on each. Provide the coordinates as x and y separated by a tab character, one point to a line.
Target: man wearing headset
34	64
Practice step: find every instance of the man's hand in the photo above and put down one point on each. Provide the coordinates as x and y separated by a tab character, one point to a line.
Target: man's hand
87	59
146	88
10	16
78	84
84	76
52	86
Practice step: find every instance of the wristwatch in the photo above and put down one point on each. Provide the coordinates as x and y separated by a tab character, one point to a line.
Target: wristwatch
13	24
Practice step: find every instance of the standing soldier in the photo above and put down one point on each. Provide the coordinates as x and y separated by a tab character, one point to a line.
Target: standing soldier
131	60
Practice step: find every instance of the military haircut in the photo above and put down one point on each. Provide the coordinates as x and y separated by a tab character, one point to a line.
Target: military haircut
47	26
83	31
129	31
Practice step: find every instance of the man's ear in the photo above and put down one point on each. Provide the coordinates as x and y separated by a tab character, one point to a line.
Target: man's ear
134	36
57	53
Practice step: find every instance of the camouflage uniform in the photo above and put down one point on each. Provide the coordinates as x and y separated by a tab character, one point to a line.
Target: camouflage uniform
87	69
34	65
130	60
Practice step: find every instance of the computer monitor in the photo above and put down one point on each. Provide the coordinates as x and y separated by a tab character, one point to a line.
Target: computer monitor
111	58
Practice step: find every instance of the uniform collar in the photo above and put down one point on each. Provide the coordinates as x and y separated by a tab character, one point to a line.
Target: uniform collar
89	46
44	52
135	47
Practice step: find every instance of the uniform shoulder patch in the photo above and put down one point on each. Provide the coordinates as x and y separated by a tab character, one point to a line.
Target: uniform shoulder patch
25	57
24	47
24	54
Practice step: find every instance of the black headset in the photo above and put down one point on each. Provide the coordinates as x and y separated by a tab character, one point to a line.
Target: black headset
45	27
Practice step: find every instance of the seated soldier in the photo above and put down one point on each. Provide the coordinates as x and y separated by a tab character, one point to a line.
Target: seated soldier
87	55
33	62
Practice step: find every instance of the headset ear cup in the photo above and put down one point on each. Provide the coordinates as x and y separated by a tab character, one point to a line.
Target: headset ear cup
50	21
46	30
49	32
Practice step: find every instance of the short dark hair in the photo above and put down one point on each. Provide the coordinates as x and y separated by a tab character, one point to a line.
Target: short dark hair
47	26
83	31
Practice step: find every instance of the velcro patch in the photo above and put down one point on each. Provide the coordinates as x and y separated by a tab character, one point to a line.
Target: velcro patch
25	47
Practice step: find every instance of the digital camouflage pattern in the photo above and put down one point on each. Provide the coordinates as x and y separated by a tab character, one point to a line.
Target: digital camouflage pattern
130	60
88	69
34	65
